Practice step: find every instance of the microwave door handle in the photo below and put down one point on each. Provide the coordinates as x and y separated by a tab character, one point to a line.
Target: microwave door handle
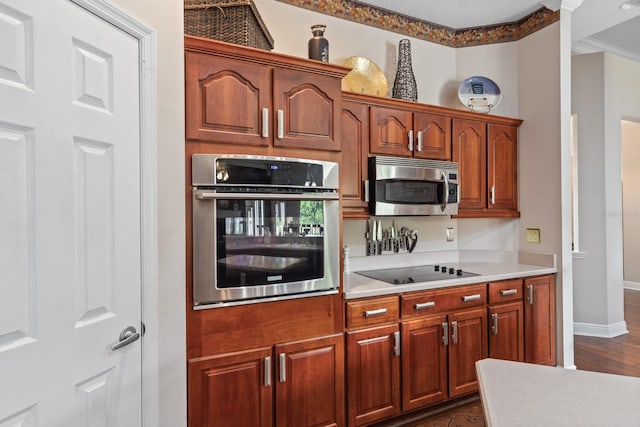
446	191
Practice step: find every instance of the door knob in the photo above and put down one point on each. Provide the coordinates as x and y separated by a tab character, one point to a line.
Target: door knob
127	336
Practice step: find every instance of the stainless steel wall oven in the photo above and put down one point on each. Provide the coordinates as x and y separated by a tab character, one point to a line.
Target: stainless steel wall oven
264	228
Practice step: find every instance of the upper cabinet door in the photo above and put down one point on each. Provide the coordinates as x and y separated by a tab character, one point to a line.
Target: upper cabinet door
502	165
354	128
432	133
307	109
469	149
389	131
227	101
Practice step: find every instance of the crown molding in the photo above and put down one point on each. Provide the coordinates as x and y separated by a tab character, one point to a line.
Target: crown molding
428	31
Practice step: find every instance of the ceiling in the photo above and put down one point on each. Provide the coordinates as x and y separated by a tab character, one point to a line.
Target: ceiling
597	25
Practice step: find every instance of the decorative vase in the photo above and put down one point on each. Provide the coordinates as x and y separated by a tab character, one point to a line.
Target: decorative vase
318	45
404	85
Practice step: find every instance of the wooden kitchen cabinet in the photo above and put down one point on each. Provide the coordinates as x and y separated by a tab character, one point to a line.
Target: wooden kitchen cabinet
506	320
373	359
248	97
424	362
409	133
306	379
354	131
539	320
445	334
310	382
231	389
487	159
373	374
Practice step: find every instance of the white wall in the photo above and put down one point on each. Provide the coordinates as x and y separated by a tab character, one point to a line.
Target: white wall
433	64
601	301
166	20
631	202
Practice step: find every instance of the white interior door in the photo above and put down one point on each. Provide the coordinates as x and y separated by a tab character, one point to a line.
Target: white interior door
70	242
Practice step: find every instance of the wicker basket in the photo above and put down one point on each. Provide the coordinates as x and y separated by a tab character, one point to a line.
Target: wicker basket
230	21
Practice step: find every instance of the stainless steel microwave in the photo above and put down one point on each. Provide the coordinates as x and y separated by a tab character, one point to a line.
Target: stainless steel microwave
405	186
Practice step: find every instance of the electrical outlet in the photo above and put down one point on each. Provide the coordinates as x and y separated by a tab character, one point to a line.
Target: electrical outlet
533	235
449	234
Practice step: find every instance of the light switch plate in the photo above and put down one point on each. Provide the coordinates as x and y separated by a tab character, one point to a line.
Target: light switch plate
449	234
533	235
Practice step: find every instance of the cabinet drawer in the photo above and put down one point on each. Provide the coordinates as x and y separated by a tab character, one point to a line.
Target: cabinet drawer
372	311
508	290
421	303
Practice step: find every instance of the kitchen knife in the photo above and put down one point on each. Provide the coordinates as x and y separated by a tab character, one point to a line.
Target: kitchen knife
367	237
379	237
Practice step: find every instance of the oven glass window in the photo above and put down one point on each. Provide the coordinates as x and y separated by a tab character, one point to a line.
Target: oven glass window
262	242
411	192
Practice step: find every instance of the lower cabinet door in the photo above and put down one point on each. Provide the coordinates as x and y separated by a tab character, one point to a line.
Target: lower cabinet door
310	382
232	389
424	362
373	374
539	320
467	345
506	332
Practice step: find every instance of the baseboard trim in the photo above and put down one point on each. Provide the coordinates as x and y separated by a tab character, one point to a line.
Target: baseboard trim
602	331
632	285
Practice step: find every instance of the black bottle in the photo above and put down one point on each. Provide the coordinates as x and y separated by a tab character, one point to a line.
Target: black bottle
318	45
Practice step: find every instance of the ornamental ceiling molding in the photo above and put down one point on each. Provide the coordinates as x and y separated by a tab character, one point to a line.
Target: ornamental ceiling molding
424	30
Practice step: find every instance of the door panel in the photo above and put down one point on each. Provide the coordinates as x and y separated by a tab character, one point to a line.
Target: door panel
311	391
467	345
70	209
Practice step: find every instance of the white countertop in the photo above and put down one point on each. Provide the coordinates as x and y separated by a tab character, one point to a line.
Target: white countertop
358	286
527	395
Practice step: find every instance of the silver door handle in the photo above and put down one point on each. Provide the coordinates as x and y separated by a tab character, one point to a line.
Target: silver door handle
377	312
267	371
280	124
492	192
445	333
454	334
410	138
530	294
283	367
494	328
265	122
419	140
127	336
508	292
469	298
396	343
424	305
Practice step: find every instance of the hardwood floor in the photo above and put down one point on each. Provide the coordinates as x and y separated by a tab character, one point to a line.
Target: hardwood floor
619	355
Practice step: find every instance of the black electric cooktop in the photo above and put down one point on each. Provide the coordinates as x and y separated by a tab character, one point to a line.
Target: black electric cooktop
416	274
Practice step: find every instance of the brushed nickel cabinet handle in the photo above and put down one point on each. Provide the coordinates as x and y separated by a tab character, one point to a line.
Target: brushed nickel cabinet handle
410	140
283	367
267	371
280	124
494	327
420	144
469	298
508	292
396	343
454	334
423	305
493	194
445	333
377	312
265	122
530	294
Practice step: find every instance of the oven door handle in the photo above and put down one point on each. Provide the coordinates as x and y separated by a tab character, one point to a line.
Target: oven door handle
210	195
445	195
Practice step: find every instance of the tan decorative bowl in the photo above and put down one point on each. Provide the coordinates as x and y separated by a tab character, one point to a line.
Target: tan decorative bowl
365	77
